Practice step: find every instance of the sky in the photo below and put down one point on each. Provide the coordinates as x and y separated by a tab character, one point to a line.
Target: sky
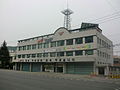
20	19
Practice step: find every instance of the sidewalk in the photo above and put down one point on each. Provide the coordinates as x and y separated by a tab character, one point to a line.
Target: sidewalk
80	77
84	77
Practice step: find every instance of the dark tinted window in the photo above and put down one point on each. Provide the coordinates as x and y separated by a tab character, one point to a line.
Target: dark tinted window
89	39
69	42
77	53
79	40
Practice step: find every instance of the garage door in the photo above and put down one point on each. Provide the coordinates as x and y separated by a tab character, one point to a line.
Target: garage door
79	68
26	67
36	67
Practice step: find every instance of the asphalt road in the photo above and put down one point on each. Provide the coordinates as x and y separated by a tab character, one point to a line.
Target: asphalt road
16	80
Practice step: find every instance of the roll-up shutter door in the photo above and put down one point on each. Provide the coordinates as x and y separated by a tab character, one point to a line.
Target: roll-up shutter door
79	68
26	67
36	67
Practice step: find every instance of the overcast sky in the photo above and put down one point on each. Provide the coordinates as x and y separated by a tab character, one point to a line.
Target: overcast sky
21	19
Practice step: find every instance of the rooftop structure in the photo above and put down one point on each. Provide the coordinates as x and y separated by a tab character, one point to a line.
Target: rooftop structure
67	21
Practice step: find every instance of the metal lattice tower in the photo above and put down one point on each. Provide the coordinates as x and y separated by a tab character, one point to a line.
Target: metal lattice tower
67	20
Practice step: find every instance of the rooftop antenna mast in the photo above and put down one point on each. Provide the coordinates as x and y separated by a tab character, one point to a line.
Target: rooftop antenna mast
67	20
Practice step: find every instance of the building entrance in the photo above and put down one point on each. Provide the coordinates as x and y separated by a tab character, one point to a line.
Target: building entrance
58	67
101	70
48	68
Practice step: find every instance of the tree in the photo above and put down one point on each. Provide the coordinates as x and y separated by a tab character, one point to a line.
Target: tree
4	56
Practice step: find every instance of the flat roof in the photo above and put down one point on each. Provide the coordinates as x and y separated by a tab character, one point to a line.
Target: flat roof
84	26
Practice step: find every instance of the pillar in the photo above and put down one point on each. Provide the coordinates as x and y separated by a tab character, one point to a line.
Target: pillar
56	67
15	66
64	68
30	67
73	41
83	40
41	68
106	70
20	66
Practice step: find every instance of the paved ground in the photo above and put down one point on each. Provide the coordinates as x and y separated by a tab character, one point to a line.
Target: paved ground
17	80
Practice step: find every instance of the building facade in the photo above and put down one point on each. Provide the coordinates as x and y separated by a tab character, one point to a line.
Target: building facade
115	69
12	52
80	51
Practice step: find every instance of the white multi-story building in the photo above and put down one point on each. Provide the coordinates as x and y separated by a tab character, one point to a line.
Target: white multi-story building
80	51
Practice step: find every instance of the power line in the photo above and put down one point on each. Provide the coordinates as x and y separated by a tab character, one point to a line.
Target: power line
107	16
102	19
117	13
110	4
109	20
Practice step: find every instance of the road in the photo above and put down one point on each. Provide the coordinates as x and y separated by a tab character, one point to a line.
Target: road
17	80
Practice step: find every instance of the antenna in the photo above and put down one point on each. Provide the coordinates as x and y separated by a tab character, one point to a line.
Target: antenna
67	4
67	21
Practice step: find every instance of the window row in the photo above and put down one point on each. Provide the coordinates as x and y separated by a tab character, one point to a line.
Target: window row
103	54
103	43
88	39
57	54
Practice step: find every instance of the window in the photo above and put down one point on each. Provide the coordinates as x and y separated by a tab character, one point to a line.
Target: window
116	62
34	46
89	39
103	43
79	40
53	44
28	47
19	56
46	45
109	46
77	53
40	45
59	59
98	53
19	48
28	55
24	47
53	54
23	56
69	53
98	40
45	54
64	60
69	42
39	54
89	52
33	55
103	54
60	54
60	43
